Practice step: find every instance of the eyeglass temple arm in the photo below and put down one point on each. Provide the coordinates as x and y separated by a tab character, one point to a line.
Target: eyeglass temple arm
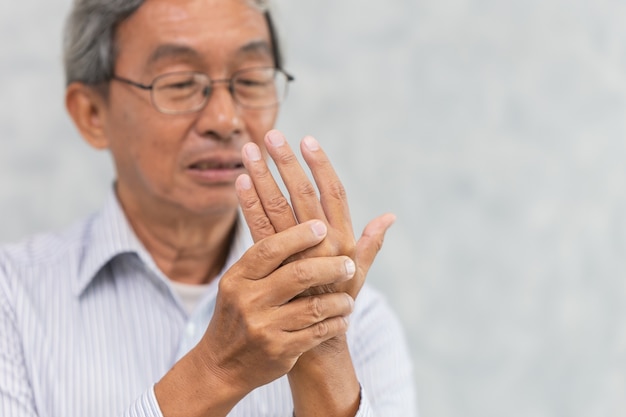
289	76
133	83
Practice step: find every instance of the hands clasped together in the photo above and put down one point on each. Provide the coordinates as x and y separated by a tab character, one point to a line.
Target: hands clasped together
293	290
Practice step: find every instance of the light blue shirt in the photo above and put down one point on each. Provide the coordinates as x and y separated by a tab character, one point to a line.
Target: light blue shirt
88	325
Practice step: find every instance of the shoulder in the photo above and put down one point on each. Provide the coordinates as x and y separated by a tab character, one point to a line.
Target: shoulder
42	252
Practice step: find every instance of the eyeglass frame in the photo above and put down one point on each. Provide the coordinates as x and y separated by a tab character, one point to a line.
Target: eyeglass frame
212	82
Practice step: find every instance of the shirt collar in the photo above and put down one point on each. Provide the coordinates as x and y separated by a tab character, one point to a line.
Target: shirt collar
109	235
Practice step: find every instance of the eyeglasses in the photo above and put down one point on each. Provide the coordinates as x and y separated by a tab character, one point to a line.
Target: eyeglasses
188	92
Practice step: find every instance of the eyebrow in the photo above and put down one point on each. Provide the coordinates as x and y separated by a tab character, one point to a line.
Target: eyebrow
256	47
169	50
166	51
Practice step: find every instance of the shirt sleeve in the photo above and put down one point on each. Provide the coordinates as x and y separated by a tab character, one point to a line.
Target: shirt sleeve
145	406
16	394
365	409
381	358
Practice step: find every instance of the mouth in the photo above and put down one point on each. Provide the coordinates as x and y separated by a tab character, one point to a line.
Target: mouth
216	165
215	171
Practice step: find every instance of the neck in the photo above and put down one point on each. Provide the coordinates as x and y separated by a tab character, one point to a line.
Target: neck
190	249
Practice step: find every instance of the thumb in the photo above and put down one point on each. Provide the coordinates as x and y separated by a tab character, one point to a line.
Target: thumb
370	243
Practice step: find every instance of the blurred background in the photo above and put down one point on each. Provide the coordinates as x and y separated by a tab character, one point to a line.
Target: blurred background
494	129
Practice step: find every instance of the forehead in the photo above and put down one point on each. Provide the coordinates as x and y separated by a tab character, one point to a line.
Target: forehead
213	31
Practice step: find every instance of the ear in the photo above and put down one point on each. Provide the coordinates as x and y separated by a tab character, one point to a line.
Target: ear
87	107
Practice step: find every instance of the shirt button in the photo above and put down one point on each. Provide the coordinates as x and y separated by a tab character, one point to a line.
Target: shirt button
190	329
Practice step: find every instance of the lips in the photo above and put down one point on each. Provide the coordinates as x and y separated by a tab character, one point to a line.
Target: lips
213	165
215	169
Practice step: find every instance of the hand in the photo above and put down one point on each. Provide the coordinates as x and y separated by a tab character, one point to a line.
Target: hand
258	330
267	211
323	381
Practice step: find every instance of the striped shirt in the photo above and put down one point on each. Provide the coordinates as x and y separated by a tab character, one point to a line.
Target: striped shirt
88	325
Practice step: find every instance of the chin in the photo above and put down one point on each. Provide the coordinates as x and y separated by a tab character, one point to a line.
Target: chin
213	207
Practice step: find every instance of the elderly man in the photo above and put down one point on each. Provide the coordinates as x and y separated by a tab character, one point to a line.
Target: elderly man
199	289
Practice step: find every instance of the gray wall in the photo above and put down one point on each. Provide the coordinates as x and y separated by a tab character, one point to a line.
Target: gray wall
494	129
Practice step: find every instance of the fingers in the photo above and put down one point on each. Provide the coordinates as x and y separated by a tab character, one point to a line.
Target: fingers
252	208
298	276
312	336
330	205
332	193
267	211
274	203
303	194
305	312
268	254
368	246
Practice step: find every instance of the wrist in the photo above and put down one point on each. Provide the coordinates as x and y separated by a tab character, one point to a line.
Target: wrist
324	382
185	389
326	354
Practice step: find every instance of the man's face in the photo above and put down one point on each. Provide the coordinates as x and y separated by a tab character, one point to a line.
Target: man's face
185	162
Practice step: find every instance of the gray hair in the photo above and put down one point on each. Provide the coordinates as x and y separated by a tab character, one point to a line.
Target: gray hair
89	49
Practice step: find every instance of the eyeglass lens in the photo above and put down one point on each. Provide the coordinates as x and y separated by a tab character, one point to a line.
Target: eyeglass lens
189	91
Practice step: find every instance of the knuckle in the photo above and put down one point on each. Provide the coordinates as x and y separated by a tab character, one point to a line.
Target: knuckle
248	204
337	190
301	273
256	331
335	247
322	329
263	174
346	246
277	204
306	189
226	286
266	252
332	247
287	158
316	308
260	223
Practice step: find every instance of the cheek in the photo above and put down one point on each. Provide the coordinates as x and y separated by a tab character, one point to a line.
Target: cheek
259	123
146	147
156	155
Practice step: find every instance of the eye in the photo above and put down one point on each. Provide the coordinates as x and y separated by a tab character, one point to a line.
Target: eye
174	88
178	82
251	82
180	85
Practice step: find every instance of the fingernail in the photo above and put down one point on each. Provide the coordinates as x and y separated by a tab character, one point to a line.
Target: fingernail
252	152
310	143
347	320
276	139
319	228
245	182
350	268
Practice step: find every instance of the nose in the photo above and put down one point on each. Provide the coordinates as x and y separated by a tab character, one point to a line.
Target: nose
220	119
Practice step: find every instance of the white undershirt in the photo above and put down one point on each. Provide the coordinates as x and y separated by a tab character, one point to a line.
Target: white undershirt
190	295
